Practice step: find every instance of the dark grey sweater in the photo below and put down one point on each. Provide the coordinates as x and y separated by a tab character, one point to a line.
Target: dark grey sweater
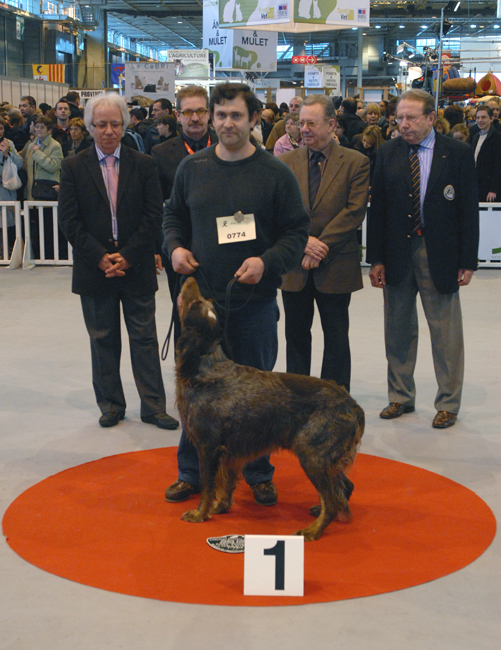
207	187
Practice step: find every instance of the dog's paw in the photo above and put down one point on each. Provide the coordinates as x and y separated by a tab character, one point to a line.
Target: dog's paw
220	507
309	534
194	517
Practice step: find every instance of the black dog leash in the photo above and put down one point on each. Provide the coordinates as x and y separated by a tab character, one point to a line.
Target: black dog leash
226	309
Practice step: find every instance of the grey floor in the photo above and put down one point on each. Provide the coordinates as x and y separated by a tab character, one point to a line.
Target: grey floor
48	422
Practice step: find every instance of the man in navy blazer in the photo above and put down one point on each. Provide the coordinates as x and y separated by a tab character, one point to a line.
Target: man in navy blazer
434	256
113	236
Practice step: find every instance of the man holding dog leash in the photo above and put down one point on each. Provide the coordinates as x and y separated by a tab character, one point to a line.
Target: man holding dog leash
235	211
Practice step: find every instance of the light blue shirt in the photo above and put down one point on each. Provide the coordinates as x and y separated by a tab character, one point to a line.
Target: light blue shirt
425	155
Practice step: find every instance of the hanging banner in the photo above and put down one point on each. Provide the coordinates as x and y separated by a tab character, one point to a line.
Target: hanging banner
332	76
294	15
219	42
153	80
238	49
254	51
190	64
253	12
49	72
313	76
117	74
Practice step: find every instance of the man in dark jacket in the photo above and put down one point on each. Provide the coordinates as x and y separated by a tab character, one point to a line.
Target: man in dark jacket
354	123
110	210
422	237
486	145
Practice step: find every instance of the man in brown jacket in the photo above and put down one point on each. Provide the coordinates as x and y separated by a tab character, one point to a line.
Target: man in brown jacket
334	183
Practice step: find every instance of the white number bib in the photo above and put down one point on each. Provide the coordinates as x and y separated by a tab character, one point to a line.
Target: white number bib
239	227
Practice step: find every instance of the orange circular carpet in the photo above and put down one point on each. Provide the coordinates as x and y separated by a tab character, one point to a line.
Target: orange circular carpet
106	524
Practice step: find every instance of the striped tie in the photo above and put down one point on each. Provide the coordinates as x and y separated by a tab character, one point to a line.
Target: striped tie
416	190
314	175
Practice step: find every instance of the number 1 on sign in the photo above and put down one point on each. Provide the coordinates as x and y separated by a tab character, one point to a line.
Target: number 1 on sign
279	552
274	565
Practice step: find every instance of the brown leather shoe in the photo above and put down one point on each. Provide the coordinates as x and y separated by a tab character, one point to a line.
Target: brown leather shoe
395	410
444	420
180	491
266	493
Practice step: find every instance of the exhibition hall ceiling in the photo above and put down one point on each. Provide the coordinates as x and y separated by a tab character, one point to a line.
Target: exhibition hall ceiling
178	24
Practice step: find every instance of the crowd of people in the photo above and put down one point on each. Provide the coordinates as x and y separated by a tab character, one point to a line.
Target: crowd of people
203	160
116	168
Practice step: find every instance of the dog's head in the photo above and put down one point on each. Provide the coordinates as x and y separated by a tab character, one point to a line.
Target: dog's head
194	310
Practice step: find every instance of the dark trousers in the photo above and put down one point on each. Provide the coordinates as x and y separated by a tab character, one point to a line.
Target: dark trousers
47	234
299	309
102	319
252	333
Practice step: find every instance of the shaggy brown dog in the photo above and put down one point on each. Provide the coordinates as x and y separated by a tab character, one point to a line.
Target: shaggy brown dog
233	414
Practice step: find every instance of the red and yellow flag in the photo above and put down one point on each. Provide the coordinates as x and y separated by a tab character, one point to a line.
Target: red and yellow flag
49	72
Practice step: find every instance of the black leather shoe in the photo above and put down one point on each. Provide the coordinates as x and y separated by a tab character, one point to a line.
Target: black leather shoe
395	410
180	491
266	493
161	420
110	418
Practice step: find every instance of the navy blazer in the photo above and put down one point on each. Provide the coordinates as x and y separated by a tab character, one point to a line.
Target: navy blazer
450	212
85	219
488	164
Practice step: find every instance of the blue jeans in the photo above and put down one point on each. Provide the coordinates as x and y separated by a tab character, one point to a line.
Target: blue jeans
252	333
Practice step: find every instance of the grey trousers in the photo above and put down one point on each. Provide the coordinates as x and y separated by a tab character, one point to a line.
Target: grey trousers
102	319
443	314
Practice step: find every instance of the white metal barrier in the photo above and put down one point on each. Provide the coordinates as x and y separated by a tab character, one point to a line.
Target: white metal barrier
11	240
46	237
18	247
20	253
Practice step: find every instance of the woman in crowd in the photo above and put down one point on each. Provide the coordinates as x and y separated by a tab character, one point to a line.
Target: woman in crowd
7	151
441	125
372	139
292	138
391	125
167	127
461	132
43	162
339	132
79	138
372	114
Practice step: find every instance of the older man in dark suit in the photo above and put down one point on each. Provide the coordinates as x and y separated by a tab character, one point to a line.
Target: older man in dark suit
423	237
110	210
334	183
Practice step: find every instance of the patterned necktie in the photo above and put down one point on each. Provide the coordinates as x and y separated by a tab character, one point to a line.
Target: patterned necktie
112	181
314	175
416	189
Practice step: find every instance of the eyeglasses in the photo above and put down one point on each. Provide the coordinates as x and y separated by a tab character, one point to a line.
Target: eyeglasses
188	113
102	126
309	123
410	118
